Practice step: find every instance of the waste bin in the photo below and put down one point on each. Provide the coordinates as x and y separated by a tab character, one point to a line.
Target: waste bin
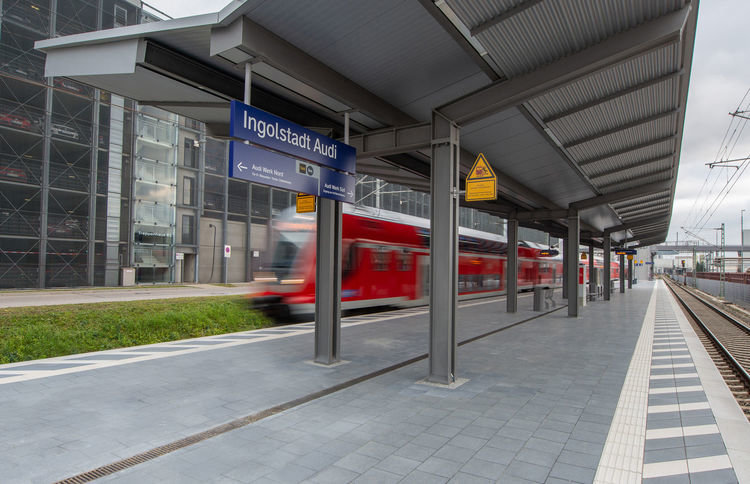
538	298
128	276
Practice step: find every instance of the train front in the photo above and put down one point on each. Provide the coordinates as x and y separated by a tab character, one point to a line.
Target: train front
287	286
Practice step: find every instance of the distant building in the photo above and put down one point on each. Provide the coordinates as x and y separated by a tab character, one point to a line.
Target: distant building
92	183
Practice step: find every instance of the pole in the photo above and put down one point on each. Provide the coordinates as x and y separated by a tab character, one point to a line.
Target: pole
722	276
742	241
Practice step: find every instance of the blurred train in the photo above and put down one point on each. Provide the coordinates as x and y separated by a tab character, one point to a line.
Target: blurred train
385	262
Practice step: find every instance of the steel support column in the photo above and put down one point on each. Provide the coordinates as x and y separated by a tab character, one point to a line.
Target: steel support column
328	283
607	263
565	268
444	184
622	273
328	277
571	253
592	272
511	269
249	227
630	273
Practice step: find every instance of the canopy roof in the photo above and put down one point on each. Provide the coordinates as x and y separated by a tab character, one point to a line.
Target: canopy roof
576	105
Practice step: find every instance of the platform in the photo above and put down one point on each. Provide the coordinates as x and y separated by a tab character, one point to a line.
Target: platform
609	396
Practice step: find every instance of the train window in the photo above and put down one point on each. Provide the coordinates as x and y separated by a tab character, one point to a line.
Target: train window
403	260
348	259
380	259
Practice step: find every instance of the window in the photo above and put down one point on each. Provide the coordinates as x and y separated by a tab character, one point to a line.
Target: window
188	191
380	259
188	229
121	16
403	260
190	158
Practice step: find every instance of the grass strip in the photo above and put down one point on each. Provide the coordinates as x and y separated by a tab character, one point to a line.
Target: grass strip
29	333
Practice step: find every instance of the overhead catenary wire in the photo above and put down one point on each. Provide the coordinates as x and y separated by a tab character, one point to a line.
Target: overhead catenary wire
705	204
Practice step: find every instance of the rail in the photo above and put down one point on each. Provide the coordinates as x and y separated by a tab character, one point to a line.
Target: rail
738	367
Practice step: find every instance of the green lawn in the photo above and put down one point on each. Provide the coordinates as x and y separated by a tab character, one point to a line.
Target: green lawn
30	333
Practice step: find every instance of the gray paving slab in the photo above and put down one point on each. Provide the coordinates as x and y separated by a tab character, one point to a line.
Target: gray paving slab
532	410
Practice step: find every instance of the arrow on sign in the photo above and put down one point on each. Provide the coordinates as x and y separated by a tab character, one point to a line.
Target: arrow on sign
241	166
351	193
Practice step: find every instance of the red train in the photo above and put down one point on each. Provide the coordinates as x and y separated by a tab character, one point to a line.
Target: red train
385	262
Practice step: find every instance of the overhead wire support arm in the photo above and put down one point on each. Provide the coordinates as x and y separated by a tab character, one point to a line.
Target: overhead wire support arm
720	163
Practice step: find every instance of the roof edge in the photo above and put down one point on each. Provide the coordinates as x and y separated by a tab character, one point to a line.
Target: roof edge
129	32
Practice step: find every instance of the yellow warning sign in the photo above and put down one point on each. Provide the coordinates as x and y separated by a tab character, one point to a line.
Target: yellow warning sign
481	183
305	203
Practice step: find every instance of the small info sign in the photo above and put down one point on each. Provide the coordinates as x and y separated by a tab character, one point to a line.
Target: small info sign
481	183
305	203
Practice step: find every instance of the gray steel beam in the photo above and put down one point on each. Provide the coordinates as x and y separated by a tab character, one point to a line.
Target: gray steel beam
542	215
616	95
655	34
391	141
257	41
414	137
622	195
443	250
650	233
637	203
607	242
617	129
622	273
328	282
631	166
639	146
665	171
571	253
515	10
639	222
644	211
511	268
442	19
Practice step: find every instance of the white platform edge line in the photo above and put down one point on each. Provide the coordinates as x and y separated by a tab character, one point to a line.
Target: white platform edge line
733	425
622	457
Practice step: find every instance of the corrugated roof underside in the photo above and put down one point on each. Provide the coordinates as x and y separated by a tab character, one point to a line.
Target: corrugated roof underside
653	100
517	148
620	140
436	68
519	46
632	73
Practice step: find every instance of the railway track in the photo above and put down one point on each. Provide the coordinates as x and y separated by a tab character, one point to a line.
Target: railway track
726	339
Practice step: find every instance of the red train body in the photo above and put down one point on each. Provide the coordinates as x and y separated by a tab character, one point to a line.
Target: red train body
385	262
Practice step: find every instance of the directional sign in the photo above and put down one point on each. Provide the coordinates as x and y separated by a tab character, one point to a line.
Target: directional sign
305	203
481	183
265	129
625	251
266	167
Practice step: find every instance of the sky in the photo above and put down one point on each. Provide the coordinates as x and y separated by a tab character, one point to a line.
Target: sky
719	82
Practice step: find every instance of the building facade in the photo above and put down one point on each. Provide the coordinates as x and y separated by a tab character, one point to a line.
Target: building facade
94	187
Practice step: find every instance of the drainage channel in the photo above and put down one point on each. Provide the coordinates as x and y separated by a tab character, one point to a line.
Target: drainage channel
132	461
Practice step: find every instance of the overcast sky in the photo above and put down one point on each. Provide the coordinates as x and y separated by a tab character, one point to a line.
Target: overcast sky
720	78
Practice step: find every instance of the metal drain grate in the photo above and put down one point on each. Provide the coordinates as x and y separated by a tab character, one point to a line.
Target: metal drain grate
123	464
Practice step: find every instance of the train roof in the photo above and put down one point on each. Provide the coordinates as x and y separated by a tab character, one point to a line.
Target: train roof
290	215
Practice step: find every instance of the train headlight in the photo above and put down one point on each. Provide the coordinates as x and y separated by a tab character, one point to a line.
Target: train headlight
292	281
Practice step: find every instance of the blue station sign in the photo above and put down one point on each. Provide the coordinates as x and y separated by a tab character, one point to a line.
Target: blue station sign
267	167
265	129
